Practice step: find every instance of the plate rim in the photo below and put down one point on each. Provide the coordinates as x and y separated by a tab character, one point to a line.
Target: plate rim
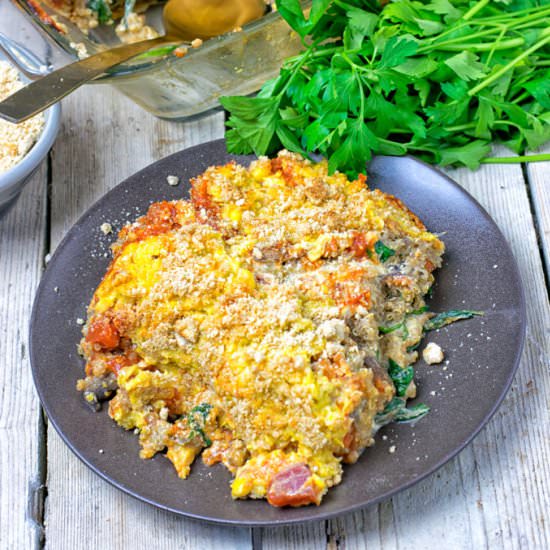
321	516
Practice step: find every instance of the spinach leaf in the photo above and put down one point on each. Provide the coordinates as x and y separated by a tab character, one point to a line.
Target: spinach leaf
101	7
448	317
403	324
390	411
383	251
414	346
401	377
196	418
412	413
397	411
391	328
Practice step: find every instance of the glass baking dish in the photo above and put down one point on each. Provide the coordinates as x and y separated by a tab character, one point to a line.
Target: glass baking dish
171	87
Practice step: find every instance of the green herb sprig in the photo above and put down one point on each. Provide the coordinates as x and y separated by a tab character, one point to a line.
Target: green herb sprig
384	252
440	79
401	377
396	411
448	317
102	9
196	419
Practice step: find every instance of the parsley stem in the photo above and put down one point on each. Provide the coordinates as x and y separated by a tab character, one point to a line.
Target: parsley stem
314	55
521	97
483	46
471	125
474	9
362	95
507	21
495	76
305	56
498	41
512	160
513	19
459	40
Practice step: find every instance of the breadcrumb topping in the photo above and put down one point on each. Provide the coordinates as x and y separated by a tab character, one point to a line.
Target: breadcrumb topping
245	322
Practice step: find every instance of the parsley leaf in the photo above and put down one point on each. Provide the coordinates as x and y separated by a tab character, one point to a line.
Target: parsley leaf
442	79
467	66
397	50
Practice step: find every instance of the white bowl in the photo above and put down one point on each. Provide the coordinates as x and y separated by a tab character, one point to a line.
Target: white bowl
13	180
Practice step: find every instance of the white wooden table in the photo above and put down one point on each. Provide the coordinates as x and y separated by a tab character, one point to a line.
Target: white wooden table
495	494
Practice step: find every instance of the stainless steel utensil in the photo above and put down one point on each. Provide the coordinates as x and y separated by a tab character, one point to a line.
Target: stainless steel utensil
41	94
180	16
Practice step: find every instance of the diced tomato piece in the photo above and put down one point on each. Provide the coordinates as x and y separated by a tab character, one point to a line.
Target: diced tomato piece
429	266
103	332
206	210
351	295
118	362
288	171
361	244
161	217
293	486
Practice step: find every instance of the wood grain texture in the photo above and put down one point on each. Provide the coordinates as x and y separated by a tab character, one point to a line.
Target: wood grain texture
21	251
22	239
105	138
538	175
496	493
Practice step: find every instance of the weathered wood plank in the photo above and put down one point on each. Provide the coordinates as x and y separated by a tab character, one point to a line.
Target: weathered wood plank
103	140
538	174
21	247
22	234
483	492
495	494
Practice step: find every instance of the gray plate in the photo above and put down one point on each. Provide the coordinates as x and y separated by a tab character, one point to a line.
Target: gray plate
479	273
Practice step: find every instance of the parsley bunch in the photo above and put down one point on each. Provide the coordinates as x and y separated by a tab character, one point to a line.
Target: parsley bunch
440	79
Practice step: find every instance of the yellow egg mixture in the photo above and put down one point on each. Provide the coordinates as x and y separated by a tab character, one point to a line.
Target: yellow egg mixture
244	323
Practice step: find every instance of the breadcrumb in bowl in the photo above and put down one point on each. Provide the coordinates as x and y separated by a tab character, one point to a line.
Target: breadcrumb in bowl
22	146
244	324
